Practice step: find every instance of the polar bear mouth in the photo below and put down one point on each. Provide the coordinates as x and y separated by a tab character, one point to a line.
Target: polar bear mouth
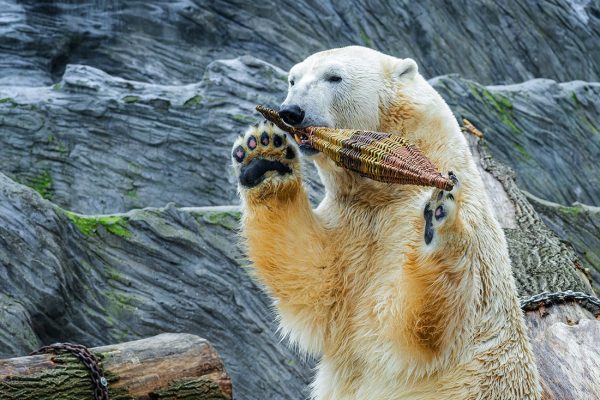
303	143
301	139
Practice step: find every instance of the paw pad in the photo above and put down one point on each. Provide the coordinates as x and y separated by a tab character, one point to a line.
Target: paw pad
239	154
264	139
251	142
290	154
439	212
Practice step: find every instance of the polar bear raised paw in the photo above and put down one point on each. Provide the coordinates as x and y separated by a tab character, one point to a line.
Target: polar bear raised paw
441	209
263	157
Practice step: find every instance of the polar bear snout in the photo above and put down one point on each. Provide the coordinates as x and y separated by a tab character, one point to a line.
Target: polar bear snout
291	114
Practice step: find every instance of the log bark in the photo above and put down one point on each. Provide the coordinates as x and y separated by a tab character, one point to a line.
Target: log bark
565	340
167	366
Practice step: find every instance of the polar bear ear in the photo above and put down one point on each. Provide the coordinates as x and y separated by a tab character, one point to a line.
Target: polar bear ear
406	68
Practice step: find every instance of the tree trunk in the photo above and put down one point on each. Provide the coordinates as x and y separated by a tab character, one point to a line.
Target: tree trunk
565	341
167	366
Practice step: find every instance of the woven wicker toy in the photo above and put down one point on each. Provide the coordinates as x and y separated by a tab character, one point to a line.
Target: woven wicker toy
380	156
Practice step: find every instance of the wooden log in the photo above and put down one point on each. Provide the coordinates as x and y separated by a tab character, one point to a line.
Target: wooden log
167	366
565	339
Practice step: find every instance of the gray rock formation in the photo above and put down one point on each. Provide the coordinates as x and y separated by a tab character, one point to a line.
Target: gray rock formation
107	279
94	143
548	132
172	42
102	144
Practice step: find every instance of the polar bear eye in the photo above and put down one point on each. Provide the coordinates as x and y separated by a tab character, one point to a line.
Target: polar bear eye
333	78
292	82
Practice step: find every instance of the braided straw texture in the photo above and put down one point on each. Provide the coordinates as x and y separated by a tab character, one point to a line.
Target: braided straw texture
380	156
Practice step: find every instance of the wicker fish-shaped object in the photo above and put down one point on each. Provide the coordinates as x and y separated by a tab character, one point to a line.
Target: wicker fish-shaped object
383	157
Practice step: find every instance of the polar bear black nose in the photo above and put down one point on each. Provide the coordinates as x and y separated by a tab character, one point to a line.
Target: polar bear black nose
292	114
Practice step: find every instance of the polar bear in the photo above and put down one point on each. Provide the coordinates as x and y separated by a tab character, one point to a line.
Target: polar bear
405	292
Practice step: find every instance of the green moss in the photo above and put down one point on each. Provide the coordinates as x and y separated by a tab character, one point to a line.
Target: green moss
474	89
193	101
226	219
501	103
590	126
131	99
88	225
586	121
62	148
132	194
68	379
119	307
571	212
42	184
57	86
115	225
242	118
503	107
56	144
364	37
8	100
575	99
134	168
113	274
523	151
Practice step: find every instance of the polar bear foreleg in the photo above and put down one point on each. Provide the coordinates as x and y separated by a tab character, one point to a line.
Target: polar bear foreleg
283	237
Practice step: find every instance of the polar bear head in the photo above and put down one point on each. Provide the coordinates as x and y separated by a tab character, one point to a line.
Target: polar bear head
351	87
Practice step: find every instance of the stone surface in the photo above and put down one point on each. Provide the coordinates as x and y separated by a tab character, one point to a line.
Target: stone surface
548	132
94	143
102	280
172	42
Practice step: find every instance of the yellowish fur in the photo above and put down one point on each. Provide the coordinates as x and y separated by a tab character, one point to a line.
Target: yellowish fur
354	282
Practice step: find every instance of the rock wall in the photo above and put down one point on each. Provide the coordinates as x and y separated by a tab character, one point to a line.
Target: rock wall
172	42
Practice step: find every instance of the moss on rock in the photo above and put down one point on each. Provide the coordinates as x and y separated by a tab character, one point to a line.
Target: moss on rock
89	224
42	184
